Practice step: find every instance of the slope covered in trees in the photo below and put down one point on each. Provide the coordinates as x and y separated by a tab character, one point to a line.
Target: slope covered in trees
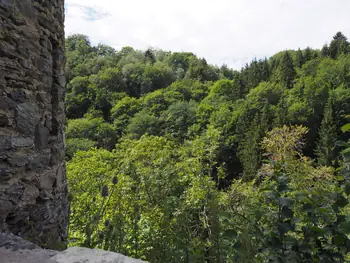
171	159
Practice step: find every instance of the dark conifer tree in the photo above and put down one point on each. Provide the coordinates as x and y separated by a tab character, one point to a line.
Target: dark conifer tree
325	51
325	148
249	150
339	45
281	112
299	59
149	56
285	71
266	69
308	54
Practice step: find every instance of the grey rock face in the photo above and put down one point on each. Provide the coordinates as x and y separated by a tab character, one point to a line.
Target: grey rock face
16	250
33	187
86	255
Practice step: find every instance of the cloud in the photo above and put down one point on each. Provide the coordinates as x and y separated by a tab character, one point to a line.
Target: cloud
84	12
222	31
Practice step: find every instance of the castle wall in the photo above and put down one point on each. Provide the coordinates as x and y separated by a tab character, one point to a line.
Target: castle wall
33	186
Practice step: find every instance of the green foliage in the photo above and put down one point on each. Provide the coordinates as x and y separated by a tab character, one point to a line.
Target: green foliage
285	72
249	149
93	129
156	76
200	70
252	74
143	123
199	163
181	115
78	99
224	90
325	150
88	173
180	60
338	46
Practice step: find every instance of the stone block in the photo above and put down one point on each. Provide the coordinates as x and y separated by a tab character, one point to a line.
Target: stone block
42	134
22	142
26	119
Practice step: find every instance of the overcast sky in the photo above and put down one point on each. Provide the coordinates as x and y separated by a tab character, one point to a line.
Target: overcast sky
223	31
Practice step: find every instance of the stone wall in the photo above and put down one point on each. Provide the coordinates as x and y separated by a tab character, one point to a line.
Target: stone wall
33	187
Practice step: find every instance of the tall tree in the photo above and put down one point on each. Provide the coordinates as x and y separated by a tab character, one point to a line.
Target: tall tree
250	150
308	54
281	111
285	71
325	148
300	60
325	51
339	45
149	56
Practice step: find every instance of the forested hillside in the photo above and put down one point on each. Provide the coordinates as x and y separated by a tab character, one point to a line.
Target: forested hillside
173	160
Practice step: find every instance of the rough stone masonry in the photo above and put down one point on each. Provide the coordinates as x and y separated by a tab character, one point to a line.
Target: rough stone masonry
33	187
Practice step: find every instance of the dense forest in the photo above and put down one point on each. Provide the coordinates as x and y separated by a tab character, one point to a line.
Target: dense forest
171	159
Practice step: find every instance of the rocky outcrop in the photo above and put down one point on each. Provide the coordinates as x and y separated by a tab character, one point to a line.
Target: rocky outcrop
71	255
86	255
16	250
33	187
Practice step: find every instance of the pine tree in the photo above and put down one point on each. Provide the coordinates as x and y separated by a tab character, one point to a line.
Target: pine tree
300	59
325	148
149	56
266	69
285	71
339	45
249	148
266	119
308	54
251	153
325	51
281	112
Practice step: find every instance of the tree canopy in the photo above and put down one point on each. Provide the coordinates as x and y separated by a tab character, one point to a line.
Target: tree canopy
171	159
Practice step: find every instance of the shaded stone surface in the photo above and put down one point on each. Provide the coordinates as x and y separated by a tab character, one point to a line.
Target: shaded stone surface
86	255
33	187
16	250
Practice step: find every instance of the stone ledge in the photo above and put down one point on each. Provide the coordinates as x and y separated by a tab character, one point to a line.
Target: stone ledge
16	250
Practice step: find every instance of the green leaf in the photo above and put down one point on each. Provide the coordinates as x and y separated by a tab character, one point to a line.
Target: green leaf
340	178
276	242
284	201
341	202
341	144
258	214
230	234
345	128
347	244
265	189
346	188
305	249
318	231
283	228
345	227
291	241
282	183
237	245
338	240
301	196
273	195
287	212
307	207
224	214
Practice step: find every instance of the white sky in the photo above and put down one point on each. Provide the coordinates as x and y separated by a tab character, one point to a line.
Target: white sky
222	31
